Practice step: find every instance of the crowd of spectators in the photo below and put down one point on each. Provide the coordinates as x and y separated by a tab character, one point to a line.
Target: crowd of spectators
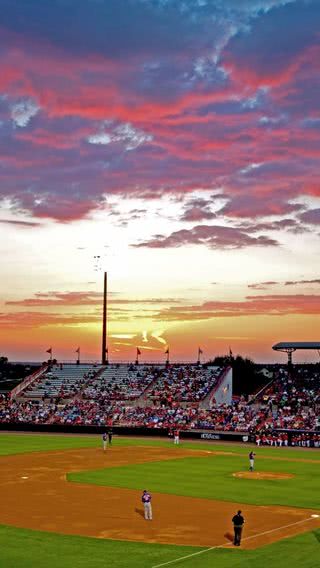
120	383
290	403
297	388
184	384
238	417
80	412
293	399
306	418
28	411
175	383
152	417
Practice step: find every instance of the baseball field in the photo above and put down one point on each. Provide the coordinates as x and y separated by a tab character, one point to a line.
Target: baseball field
66	503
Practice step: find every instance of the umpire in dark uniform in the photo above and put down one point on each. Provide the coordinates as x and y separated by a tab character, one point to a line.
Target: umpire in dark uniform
238	522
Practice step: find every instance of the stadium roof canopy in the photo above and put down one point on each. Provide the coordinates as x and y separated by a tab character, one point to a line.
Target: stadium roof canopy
293	345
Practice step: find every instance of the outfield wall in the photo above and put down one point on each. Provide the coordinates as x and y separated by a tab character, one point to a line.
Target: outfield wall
142	431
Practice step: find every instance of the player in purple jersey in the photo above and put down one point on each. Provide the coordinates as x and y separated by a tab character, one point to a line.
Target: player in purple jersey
146	500
251	460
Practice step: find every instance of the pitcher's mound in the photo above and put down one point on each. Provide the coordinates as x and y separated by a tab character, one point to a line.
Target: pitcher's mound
262	475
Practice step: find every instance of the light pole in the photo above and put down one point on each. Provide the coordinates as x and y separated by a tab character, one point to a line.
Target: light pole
104	357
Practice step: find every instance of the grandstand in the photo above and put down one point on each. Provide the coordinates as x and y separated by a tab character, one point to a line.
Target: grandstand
293	398
119	382
125	382
189	397
59	380
183	383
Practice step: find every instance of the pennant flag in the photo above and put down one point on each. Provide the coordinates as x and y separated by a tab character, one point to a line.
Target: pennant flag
230	352
200	351
167	351
138	351
49	350
78	350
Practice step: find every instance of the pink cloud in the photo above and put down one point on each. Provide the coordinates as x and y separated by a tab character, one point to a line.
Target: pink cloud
272	305
214	236
204	134
84	299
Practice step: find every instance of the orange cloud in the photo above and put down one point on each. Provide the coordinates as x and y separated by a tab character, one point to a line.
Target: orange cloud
271	305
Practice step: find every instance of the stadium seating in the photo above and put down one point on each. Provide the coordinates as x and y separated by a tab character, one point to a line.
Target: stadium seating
169	397
63	381
183	383
33	412
119	382
293	399
238	417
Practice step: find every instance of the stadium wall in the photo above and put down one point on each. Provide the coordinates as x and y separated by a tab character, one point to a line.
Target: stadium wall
142	431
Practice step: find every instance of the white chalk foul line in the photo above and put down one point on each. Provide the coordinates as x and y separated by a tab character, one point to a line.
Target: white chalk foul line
185	557
229	543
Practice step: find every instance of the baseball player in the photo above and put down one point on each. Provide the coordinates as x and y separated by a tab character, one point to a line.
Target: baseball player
251	460
176	437
104	441
146	500
238	522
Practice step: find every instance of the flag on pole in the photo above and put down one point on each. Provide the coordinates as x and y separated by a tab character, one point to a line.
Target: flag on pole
167	351
78	350
138	351
230	353
200	351
49	350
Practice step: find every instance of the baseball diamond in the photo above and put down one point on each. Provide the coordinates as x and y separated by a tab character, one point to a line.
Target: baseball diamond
39	492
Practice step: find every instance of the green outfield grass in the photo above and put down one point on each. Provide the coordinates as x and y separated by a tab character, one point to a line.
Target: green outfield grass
208	477
211	477
21	443
26	443
21	548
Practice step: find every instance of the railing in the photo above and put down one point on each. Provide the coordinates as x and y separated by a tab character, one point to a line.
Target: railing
27	381
259	393
142	362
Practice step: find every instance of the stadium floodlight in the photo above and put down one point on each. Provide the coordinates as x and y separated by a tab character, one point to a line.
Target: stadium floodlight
291	346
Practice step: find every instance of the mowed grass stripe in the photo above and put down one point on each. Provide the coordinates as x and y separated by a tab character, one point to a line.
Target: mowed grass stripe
34	549
300	551
25	443
41	442
24	548
211	478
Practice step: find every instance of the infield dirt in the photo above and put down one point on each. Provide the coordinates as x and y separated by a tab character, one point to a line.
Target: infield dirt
262	475
36	495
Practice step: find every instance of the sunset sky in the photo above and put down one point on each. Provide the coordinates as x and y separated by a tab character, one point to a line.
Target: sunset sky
175	144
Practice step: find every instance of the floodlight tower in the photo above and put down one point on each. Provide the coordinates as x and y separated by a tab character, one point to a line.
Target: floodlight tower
104	357
285	349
